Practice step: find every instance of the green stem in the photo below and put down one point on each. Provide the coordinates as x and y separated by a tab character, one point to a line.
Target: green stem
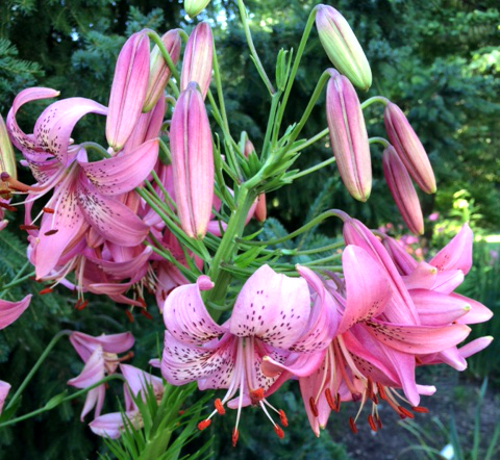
317	220
165	150
307	171
296	63
379	140
270	125
69	398
166	55
227	248
96	148
15	281
37	365
248	35
310	141
380	99
329	247
323	259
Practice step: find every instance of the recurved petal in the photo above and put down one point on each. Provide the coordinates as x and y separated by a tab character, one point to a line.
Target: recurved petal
85	344
272	307
54	126
122	173
475	346
186	317
23	141
138	380
448	281
368	289
112	219
10	311
422	277
457	254
438	309
4	391
478	313
213	363
298	364
92	372
418	339
404	262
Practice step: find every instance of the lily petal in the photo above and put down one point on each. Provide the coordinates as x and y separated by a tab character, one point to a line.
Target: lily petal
438	309
478	312
111	425
186	317
272	307
475	346
457	254
10	311
122	173
4	391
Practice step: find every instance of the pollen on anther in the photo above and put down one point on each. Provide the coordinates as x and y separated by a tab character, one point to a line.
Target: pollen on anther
405	412
234	437
352	423
329	399
283	418
204	424
51	232
279	432
371	422
312	405
420	409
48	210
256	396
219	407
47	290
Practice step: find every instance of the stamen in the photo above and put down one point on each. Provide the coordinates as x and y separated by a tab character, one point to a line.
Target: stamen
48	210
256	396
51	232
381	391
337	409
329	399
129	316
283	419
234	437
146	314
352	423
420	409
279	432
219	407
369	387
204	424
371	422
379	421
81	304
406	412
47	290
314	408
29	227
7	206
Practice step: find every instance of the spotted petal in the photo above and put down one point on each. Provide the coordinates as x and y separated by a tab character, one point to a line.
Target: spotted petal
272	307
54	126
112	219
186	317
85	344
368	289
122	173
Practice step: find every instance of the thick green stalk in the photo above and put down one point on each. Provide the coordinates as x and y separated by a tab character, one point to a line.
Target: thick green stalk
37	365
310	141
228	248
380	99
379	140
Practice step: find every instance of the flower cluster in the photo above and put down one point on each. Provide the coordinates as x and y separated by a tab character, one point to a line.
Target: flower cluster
150	213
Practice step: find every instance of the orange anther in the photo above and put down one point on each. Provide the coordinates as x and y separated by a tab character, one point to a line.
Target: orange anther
352	423
146	314
219	407
405	412
129	316
256	396
51	232
329	399
48	210
312	405
279	432
29	227
371	422
47	290
283	419
381	391
420	409
234	437
204	424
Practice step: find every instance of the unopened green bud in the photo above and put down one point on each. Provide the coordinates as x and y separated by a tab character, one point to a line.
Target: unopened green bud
195	7
342	46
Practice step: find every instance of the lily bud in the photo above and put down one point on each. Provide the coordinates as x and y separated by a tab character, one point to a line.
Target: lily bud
128	91
342	46
192	162
402	190
197	62
159	72
410	149
348	136
195	7
260	213
7	157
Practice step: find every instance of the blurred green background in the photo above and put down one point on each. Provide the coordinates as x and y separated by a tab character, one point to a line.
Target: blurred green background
438	60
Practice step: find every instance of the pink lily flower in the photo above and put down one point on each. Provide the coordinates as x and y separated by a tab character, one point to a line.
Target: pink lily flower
269	316
4	391
137	382
100	355
10	311
128	92
112	425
